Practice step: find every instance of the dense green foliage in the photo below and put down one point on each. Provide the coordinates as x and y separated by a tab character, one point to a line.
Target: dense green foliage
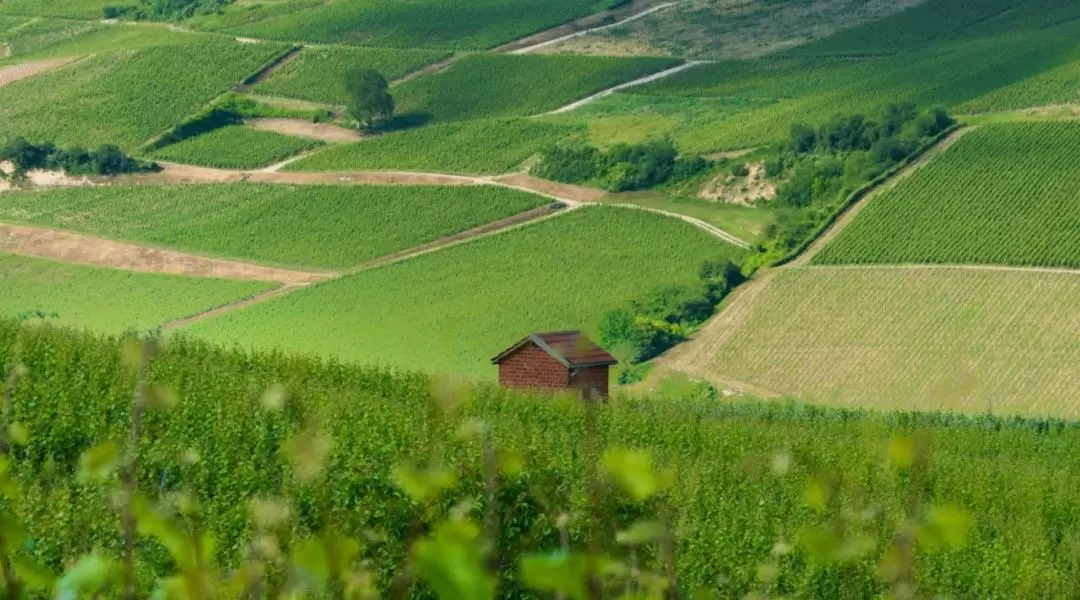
162	9
475	25
108	300
623	168
473	147
450	311
494	85
1003	194
125	98
105	160
318	73
806	498
326	226
369	101
235	147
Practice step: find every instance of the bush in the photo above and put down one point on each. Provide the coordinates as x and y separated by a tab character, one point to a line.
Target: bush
105	160
570	163
624	168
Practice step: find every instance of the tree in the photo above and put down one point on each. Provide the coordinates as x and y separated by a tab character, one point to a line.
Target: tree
370	102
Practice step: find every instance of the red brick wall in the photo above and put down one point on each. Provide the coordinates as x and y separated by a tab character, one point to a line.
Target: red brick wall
531	367
588	379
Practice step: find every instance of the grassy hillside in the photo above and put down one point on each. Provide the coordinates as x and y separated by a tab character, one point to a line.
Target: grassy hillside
1005	193
474	25
319	226
78	9
108	300
499	85
743	476
474	147
126	97
235	147
318	73
903	338
450	311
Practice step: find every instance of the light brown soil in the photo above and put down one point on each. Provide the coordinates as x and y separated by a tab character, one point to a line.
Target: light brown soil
87	250
365	178
22	71
746	191
306	129
560	191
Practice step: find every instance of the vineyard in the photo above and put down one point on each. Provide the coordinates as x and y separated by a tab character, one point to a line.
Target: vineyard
318	226
1004	194
475	25
738	480
318	74
125	98
495	85
107	300
912	338
1056	86
452	310
473	147
77	9
235	147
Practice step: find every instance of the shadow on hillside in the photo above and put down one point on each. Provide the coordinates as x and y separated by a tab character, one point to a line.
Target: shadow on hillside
410	120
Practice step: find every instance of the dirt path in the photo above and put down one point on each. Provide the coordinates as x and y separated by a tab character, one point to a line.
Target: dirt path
707	227
552	189
854	211
22	71
89	250
584	26
306	129
267	71
622	86
209	314
432	69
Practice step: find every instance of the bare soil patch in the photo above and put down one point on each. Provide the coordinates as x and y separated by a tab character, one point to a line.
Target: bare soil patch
562	191
306	129
87	250
14	73
746	191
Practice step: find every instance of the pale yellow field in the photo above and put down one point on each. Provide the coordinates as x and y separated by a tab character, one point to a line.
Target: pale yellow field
960	339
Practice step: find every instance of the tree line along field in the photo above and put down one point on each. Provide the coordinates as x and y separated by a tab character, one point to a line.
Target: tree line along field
477	147
446	24
317	74
315	226
235	147
501	85
903	338
108	300
450	311
1005	193
126	97
743	475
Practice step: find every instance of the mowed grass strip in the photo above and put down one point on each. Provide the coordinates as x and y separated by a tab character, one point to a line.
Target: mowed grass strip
126	97
481	147
450	311
500	85
316	226
235	147
317	74
472	25
108	300
922	339
1006	193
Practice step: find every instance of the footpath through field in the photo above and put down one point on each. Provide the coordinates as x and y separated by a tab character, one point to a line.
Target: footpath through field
584	26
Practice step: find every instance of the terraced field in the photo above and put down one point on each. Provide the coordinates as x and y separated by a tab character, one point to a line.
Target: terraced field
235	147
126	97
1006	193
314	226
318	74
913	338
107	300
450	311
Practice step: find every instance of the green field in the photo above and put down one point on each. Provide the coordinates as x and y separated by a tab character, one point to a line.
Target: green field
47	38
913	338
318	74
475	25
77	9
320	226
127	97
473	147
235	147
108	300
494	85
1053	87
1005	193
450	311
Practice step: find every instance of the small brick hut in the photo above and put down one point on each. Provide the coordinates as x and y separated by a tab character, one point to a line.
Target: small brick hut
560	360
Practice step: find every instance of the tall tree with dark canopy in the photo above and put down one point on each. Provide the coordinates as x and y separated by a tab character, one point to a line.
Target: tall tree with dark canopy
370	102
